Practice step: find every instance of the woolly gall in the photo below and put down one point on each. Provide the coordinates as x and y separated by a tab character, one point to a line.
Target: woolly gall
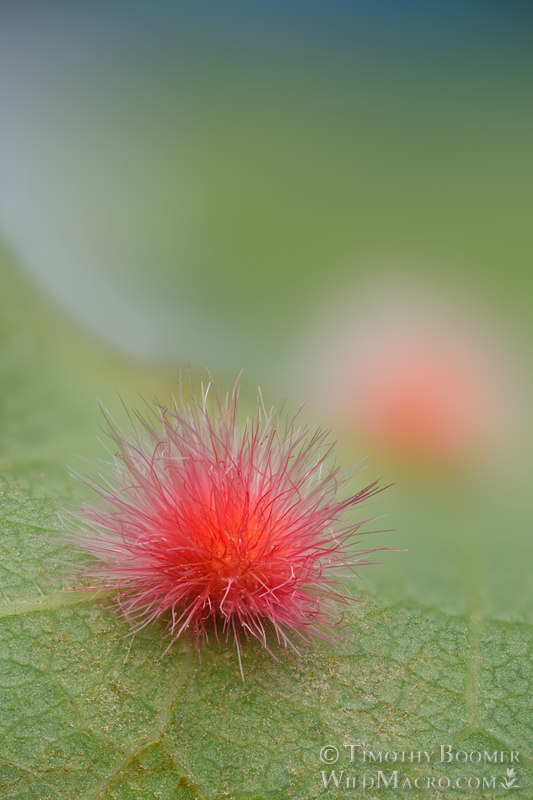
218	527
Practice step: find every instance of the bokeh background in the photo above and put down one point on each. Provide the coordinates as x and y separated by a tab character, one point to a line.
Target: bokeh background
335	197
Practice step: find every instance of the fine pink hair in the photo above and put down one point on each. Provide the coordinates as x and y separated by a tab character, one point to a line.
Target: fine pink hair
217	527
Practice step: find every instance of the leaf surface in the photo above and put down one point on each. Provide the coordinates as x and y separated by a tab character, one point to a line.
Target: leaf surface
84	716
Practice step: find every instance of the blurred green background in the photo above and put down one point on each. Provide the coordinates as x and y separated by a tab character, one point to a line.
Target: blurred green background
335	198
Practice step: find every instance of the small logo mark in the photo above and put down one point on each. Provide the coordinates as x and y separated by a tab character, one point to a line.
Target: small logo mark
510	781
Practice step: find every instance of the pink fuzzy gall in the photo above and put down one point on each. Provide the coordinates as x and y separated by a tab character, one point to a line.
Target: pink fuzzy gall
216	527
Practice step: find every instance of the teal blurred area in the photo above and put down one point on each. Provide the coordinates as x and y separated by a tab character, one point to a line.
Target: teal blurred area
310	196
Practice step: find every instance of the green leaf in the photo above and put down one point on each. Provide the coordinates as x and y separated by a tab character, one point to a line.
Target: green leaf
84	716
